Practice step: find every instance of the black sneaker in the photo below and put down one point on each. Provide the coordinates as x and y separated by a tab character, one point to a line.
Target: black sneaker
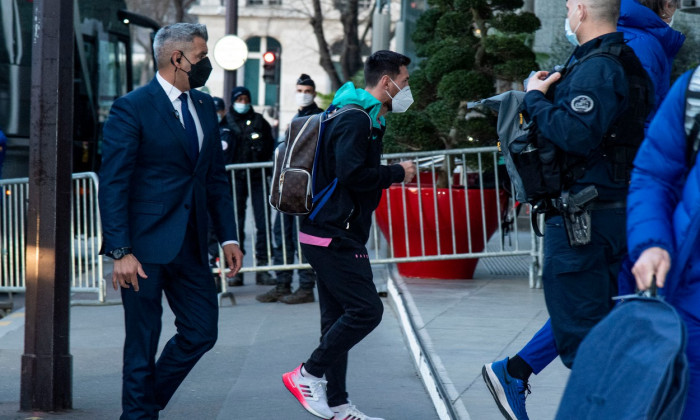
299	296
264	278
274	294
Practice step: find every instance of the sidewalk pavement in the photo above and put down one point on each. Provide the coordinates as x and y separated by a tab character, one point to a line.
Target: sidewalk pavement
462	324
466	323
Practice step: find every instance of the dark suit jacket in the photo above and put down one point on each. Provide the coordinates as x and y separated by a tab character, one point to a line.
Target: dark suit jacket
149	185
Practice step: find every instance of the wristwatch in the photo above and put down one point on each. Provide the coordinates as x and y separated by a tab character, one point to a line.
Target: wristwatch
119	253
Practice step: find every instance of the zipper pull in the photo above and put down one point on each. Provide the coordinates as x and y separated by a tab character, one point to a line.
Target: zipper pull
347	225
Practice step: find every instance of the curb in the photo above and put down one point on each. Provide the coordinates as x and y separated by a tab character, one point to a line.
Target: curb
443	394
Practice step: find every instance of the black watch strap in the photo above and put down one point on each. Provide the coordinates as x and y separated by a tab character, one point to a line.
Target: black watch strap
119	253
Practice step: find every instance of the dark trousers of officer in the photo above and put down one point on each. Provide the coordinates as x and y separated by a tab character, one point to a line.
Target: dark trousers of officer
579	283
148	384
284	230
261	212
350	310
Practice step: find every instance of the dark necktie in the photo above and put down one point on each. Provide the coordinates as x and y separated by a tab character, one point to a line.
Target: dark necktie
190	129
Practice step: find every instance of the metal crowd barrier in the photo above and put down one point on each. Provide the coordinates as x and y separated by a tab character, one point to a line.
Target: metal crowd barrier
86	234
472	197
472	182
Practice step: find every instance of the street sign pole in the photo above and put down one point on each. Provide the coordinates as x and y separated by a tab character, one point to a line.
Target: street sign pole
231	29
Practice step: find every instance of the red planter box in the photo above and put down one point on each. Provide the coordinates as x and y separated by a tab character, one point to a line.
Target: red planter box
444	269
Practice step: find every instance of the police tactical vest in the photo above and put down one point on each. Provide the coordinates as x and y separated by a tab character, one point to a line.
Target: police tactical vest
546	170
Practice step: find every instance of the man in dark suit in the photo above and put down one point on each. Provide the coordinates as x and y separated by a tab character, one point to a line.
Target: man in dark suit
162	171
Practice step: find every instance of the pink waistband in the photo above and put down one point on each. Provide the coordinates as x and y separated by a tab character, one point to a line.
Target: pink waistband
313	240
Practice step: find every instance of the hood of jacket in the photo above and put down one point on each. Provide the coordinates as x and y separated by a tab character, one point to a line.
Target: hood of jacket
634	16
349	94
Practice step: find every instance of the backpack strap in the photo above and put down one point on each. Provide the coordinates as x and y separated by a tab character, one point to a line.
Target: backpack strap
692	118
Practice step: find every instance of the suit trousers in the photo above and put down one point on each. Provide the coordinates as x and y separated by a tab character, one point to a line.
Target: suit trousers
350	310
190	290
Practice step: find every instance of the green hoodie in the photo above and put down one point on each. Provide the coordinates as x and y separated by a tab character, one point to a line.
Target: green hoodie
349	94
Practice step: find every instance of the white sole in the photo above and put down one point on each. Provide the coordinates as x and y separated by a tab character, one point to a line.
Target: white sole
497	391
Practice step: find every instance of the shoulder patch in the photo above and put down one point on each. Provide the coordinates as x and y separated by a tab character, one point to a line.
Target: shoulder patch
582	104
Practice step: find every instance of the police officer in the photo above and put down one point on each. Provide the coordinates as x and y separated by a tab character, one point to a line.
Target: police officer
597	103
287	224
220	107
249	138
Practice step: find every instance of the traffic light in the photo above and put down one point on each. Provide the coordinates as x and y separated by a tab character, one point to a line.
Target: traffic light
271	68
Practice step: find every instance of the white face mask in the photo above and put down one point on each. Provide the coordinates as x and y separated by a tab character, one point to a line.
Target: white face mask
304	99
402	100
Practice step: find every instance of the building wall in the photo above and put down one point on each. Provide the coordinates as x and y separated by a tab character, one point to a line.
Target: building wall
289	25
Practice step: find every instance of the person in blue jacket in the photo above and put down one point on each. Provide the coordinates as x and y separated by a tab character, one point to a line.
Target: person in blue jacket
645	27
661	205
647	30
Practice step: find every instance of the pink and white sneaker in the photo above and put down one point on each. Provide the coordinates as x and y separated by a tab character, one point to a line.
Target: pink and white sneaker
350	412
311	393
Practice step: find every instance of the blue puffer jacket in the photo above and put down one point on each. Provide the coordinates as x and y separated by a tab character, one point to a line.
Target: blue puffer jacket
661	202
654	42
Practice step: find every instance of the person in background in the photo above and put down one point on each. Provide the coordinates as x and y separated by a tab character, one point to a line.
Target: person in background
286	224
220	107
249	138
212	241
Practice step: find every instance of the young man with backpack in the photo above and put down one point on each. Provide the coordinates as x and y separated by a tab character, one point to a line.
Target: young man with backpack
591	117
662	214
334	241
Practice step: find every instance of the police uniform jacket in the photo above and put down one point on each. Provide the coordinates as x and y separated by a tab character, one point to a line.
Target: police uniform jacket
249	137
584	105
312	109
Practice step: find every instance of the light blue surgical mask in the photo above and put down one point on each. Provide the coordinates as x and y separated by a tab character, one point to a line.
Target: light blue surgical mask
241	108
571	35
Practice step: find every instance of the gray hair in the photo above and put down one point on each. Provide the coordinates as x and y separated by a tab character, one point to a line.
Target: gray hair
176	37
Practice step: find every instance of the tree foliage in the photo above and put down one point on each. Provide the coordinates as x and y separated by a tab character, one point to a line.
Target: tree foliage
467	48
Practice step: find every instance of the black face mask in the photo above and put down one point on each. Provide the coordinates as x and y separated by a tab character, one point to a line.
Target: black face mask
199	72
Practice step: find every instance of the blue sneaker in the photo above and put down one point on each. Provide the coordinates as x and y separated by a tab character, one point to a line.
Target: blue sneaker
509	392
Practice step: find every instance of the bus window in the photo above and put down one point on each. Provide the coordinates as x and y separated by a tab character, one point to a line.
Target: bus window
113	81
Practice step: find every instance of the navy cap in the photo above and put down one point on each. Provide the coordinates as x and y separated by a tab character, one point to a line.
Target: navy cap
306	80
219	103
238	91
